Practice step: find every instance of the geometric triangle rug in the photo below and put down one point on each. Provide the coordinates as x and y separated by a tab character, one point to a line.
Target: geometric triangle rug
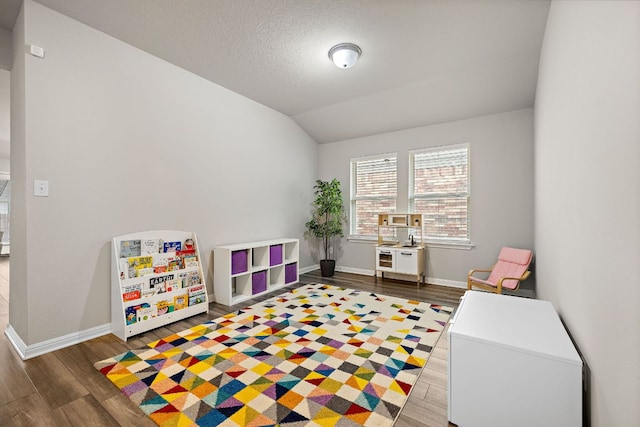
318	355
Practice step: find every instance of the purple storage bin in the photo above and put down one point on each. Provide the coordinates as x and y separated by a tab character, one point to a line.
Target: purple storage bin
275	255
239	261
291	272
258	282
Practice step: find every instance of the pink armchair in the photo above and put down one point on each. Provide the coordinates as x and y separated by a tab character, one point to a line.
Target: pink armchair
508	272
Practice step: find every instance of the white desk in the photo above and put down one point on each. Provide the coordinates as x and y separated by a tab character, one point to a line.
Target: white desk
512	363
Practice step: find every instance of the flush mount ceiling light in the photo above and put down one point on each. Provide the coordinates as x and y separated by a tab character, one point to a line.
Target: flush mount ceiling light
344	55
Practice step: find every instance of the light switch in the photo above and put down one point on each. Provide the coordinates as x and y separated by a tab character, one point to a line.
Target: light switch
40	188
36	51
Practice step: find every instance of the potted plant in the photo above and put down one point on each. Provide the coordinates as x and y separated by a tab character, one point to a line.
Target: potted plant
327	218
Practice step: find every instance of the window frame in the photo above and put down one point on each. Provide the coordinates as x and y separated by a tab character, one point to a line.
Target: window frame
354	197
452	242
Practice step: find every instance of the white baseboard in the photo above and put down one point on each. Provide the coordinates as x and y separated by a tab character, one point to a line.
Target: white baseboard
309	269
445	282
30	351
355	271
365	272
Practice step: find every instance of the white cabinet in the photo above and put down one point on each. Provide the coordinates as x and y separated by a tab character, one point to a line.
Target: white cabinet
401	260
156	279
385	258
512	363
246	270
409	261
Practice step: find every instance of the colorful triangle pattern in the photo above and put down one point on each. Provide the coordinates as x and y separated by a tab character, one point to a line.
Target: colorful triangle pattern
318	355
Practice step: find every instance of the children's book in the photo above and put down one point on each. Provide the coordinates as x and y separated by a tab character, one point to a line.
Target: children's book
155	281
164	307
160	287
171	246
164	258
132	292
149	246
193	278
149	292
196	299
145	272
131	312
129	248
198	289
173	265
196	294
185	253
182	276
190	262
138	263
146	313
123	266
172	285
180	302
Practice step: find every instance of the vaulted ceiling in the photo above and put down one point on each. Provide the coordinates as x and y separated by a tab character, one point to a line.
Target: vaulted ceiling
423	61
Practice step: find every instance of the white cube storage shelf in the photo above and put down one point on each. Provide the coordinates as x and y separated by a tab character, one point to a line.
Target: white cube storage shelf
243	271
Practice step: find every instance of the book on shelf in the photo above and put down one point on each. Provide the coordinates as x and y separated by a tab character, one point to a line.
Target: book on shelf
197	289
193	278
149	246
129	248
131	312
172	285
180	301
138	263
156	282
162	261
173	265
149	292
164	307
145	272
182	276
190	262
196	294
131	292
160	288
196	299
123	268
146	313
171	247
185	253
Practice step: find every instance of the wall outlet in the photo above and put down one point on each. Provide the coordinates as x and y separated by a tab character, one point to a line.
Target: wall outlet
40	188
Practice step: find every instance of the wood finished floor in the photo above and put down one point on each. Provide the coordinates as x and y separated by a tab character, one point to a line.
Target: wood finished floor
63	388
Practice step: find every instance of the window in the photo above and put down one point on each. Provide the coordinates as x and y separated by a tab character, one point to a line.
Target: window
374	188
439	189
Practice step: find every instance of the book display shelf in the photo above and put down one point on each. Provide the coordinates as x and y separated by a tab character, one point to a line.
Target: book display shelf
246	270
156	279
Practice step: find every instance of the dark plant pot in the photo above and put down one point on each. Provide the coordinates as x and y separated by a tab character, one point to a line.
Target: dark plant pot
327	267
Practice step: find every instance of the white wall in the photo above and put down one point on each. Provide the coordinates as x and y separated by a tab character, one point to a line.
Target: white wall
587	196
5	124
19	291
128	143
501	187
6	56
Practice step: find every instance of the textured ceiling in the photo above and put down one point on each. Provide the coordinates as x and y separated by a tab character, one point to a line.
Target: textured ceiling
423	61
